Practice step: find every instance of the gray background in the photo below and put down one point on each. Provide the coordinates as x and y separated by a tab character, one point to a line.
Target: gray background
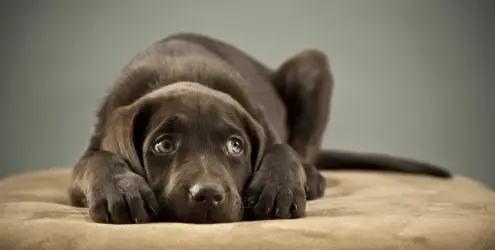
413	78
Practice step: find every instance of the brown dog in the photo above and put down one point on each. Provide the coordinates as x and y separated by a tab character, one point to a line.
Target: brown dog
195	130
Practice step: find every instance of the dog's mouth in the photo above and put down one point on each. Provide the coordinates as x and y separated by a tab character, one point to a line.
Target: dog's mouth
184	213
204	216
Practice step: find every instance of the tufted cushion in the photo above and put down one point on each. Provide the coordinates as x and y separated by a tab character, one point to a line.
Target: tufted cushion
361	210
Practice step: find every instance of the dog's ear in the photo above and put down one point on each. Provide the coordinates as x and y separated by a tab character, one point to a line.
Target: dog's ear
257	137
124	134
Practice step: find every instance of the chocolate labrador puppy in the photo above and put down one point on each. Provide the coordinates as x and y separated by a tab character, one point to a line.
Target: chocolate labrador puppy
195	130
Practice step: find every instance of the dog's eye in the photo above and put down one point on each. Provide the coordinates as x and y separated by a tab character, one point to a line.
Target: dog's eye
234	146
163	146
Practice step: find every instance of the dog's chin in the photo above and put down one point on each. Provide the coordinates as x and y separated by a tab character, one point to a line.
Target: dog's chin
207	217
194	215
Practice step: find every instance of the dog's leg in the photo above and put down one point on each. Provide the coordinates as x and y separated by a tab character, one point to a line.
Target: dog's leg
305	84
103	182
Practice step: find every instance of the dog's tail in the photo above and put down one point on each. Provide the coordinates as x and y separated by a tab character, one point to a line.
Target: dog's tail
348	160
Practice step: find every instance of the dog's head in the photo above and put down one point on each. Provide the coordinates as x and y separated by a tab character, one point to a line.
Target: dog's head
195	146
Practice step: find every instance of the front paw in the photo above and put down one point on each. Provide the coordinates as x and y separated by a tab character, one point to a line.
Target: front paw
269	200
277	190
123	199
315	183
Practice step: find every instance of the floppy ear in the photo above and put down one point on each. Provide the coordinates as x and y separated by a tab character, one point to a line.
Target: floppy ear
124	134
257	136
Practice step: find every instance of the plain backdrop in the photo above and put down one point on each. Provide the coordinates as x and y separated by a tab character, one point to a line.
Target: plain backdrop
413	78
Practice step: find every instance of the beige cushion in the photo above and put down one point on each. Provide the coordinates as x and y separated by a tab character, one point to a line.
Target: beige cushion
359	211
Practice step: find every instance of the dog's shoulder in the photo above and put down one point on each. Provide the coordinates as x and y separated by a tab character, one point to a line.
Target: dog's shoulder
192	58
156	66
181	57
236	57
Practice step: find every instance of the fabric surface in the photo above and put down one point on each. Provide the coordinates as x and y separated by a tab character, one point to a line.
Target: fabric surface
361	210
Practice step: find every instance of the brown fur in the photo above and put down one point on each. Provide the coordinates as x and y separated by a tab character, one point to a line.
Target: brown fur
200	96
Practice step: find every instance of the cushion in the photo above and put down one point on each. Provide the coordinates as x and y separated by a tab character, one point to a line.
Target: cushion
361	210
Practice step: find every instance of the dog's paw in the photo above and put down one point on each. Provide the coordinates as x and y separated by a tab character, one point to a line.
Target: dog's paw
277	188
124	199
315	183
269	200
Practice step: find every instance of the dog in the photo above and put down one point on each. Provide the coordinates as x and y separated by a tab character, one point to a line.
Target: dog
195	130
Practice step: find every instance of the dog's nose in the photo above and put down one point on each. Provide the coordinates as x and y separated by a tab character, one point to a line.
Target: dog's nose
207	193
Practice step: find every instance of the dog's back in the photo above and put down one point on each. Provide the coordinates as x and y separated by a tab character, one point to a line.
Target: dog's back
198	58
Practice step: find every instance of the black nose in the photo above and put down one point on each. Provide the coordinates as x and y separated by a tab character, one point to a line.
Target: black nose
207	193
